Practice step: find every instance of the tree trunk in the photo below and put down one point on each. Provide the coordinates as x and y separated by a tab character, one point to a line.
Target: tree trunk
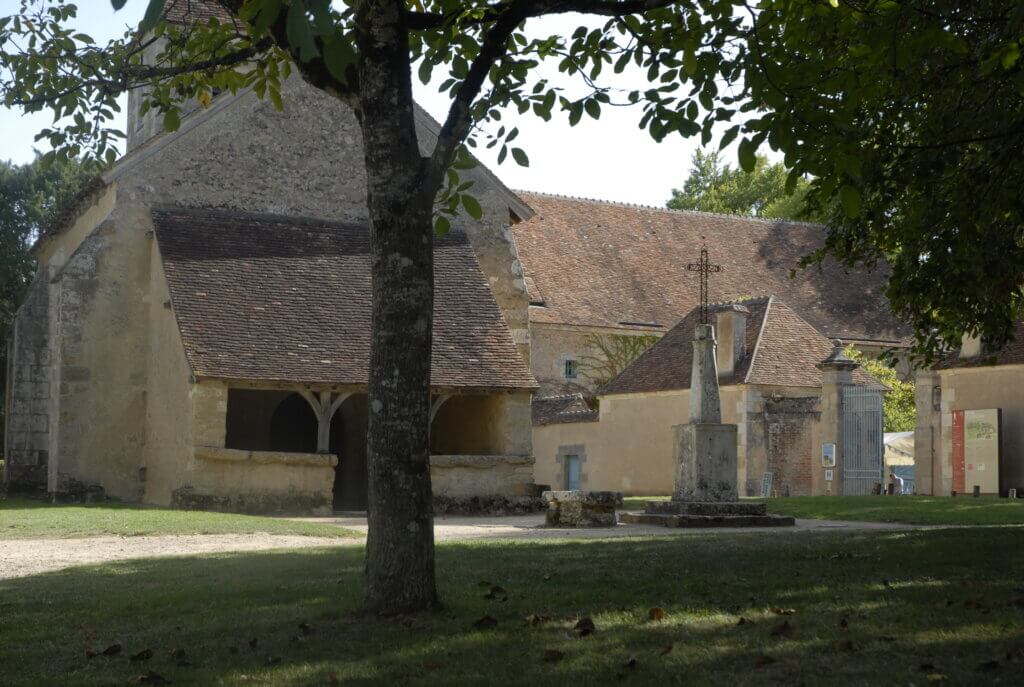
400	543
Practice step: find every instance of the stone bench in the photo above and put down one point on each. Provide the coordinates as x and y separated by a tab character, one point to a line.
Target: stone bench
582	508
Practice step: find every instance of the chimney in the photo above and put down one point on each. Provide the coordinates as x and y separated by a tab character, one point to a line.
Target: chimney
731	333
970	346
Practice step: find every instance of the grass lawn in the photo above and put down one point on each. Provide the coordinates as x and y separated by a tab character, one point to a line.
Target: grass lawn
27	519
918	510
852	609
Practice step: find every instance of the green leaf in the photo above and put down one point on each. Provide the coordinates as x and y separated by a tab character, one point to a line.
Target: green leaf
519	155
118	4
171	120
748	155
267	16
441	225
472	206
593	108
338	55
424	71
154	13
849	196
300	35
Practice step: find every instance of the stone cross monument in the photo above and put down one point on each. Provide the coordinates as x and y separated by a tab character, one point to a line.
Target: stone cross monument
704	486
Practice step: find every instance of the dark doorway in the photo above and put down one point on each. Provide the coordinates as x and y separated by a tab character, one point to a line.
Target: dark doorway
293	426
348	442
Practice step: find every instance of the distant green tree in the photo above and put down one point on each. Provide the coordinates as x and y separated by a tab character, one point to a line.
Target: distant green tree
716	187
31	196
898	410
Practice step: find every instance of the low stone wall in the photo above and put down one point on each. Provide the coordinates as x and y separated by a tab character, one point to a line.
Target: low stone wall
472	476
258	482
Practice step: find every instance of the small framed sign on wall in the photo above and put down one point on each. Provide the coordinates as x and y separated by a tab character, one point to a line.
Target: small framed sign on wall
829	473
828	456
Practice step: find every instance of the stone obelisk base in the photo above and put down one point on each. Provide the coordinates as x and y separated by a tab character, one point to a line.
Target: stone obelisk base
704	488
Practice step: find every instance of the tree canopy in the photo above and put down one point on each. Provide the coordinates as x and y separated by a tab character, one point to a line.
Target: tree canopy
714	186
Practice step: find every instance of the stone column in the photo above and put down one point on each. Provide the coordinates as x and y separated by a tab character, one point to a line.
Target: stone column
836	372
705	402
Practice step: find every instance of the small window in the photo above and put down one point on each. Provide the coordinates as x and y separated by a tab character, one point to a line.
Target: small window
571	367
572	472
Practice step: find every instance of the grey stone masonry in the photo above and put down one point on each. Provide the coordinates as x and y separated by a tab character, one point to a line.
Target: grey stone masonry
705	401
28	392
582	508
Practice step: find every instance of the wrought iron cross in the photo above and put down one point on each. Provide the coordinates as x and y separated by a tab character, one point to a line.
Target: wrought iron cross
704	267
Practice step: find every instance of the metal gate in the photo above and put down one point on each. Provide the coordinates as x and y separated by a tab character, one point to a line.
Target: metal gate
863	443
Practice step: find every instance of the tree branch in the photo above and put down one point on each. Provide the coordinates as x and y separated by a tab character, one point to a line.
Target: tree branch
423	21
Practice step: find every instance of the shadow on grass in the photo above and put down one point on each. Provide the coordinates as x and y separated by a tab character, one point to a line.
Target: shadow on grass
948	600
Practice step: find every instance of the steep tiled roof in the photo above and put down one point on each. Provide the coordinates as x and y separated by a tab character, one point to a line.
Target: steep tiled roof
602	264
1011	354
279	298
552	410
186	11
782	349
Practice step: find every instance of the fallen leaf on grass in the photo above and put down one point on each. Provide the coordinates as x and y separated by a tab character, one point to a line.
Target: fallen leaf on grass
178	653
535	619
764	661
783	629
552	655
143	655
936	677
666	651
112	650
253	642
988	666
150	678
743	621
584	627
485	623
927	668
306	628
783	611
497	592
844	623
632	663
656	613
1018	602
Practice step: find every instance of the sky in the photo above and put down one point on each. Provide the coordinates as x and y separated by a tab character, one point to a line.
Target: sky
607	159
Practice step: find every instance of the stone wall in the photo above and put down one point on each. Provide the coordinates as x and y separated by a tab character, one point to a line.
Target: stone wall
29	354
467	476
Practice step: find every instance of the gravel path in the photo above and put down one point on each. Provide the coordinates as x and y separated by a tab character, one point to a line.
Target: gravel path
23	557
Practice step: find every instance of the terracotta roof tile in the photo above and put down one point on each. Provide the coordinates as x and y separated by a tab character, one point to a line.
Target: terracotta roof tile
279	298
782	350
552	410
602	264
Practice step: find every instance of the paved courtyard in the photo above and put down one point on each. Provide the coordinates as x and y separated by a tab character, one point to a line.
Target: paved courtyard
23	557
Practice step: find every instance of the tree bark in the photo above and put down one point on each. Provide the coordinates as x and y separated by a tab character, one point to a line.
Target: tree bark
400	543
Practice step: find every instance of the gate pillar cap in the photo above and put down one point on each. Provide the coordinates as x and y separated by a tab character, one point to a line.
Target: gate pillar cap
837	359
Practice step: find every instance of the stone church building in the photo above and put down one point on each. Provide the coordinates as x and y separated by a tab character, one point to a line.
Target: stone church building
198	331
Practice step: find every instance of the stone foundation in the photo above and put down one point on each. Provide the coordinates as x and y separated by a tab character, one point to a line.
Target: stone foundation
491	504
705	462
255	503
582	508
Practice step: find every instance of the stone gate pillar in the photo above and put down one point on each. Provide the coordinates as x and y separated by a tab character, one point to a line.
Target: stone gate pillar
836	372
